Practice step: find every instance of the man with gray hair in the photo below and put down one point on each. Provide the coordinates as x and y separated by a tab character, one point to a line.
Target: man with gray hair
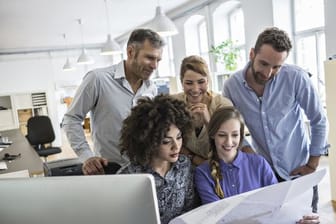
109	94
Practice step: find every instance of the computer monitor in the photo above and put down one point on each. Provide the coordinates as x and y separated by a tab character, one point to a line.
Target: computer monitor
120	199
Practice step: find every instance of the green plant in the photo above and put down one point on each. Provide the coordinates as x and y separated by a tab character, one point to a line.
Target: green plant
226	53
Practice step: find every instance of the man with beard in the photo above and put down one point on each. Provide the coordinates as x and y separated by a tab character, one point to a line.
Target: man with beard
273	98
109	94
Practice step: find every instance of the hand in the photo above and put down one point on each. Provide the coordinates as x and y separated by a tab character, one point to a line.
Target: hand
302	170
94	166
312	218
201	109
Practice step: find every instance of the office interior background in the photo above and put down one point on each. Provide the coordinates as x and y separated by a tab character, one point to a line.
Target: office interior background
37	37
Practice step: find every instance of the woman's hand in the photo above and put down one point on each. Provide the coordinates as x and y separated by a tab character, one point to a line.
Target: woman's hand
200	110
312	218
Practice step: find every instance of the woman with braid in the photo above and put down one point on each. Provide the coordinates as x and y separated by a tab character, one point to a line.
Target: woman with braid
230	171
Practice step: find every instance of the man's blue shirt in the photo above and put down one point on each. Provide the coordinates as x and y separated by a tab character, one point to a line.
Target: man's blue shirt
276	120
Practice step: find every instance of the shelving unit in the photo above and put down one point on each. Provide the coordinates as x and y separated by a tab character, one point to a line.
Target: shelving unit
28	105
16	109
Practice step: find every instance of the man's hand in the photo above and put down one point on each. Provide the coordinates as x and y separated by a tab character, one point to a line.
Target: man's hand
312	218
94	166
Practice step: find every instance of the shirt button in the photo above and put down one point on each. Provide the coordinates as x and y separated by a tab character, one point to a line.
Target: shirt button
233	185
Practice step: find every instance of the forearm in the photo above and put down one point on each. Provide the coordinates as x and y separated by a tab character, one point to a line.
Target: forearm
77	140
313	162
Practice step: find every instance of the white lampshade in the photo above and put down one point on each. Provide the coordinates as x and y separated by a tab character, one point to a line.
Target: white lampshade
110	47
84	58
68	66
162	24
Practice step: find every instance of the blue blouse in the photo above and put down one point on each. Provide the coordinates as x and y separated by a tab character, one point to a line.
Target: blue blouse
247	172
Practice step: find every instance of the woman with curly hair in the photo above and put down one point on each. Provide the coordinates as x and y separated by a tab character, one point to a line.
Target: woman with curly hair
202	102
151	137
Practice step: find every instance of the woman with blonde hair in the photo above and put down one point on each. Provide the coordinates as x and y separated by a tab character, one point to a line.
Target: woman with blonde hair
231	171
202	102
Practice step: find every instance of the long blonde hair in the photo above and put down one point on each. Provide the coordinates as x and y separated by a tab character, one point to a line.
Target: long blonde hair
220	116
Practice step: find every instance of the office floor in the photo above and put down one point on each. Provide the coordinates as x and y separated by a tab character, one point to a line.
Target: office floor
327	208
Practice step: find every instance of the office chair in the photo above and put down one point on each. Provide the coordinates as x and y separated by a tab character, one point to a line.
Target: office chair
40	133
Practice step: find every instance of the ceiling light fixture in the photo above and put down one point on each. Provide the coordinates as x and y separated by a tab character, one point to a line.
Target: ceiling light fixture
68	66
111	46
83	58
162	24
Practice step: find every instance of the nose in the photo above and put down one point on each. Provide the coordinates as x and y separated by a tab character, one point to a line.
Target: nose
195	87
269	71
228	141
175	144
154	64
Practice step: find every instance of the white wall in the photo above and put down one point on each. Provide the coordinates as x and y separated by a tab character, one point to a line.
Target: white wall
25	73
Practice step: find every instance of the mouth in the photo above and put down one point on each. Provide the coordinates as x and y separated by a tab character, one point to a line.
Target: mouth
175	155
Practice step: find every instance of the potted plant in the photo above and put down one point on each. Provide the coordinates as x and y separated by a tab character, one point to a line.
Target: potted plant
227	54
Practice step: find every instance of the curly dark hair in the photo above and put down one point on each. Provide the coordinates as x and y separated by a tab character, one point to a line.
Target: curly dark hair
147	125
275	37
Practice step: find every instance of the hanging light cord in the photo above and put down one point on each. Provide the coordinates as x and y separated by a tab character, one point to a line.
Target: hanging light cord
107	17
81	31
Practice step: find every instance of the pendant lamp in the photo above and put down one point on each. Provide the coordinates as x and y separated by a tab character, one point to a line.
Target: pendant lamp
162	24
68	66
111	46
84	58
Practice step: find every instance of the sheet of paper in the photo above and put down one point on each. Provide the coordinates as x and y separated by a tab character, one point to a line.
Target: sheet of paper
16	174
258	205
3	165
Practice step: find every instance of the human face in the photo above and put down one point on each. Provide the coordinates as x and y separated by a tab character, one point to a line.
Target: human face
227	140
266	63
195	86
171	145
144	60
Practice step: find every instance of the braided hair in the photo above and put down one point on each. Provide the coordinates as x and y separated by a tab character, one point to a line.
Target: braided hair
220	116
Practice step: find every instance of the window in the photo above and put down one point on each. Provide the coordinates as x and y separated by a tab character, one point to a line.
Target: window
166	65
310	40
228	21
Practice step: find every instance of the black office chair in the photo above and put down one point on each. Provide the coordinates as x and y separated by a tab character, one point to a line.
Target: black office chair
41	132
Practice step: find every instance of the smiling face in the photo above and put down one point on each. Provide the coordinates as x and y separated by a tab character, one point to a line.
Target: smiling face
171	145
266	63
195	86
227	139
143	60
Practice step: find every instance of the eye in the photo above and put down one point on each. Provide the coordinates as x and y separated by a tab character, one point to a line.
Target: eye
188	83
202	81
165	141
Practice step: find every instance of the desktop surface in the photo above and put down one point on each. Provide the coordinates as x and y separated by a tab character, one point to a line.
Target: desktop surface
120	199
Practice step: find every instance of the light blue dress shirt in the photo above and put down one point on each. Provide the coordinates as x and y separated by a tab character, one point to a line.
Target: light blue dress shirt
276	120
106	93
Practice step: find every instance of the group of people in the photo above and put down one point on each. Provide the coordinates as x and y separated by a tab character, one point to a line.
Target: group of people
193	142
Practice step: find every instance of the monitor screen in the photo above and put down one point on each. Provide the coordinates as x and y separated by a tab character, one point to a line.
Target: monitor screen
120	199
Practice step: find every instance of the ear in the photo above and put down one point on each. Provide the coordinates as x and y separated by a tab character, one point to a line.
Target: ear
252	54
130	51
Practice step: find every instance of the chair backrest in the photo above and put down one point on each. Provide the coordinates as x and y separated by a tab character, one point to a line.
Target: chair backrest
40	130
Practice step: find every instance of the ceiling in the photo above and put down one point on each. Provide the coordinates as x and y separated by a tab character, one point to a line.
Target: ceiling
37	24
